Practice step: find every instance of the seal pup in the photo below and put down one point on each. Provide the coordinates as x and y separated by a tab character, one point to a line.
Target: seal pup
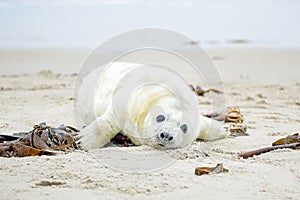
150	104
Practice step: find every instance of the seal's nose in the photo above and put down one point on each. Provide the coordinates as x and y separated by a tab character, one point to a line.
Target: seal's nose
164	136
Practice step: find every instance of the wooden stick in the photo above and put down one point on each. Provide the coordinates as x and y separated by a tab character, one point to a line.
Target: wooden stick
267	149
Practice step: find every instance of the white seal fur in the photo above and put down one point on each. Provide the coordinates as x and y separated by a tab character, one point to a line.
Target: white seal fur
144	103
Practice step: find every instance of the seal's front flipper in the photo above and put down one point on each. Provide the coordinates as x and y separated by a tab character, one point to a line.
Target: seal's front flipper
212	129
96	134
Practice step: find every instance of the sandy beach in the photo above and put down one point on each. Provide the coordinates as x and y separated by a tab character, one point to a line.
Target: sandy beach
263	82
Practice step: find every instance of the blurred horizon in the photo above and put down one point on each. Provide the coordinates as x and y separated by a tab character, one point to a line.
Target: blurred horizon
88	23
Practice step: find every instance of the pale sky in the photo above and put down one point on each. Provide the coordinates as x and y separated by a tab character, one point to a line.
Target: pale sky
86	23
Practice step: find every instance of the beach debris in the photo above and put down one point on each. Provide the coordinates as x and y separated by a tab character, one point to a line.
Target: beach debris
21	150
192	42
235	120
234	115
268	149
50	183
231	115
238	41
200	91
291	141
42	140
237	130
210	170
121	140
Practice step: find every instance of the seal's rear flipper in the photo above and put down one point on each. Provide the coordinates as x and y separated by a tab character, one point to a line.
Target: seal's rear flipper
211	129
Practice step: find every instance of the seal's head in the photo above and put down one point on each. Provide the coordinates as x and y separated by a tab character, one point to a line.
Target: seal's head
166	127
171	133
158	115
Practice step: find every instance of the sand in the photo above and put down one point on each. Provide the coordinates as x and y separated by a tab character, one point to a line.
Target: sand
264	83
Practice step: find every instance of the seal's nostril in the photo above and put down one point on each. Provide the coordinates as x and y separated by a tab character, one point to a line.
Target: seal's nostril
162	135
165	136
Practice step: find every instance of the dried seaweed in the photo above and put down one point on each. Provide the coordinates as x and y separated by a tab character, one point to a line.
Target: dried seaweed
234	118
121	141
291	141
42	140
199	91
210	170
231	115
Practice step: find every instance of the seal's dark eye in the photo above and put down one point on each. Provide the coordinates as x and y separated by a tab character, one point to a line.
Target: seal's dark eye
160	118
184	128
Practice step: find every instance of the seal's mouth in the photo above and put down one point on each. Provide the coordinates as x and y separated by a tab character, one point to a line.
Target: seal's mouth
159	146
164	147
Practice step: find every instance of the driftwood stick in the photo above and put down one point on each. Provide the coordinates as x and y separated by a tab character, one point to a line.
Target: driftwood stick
267	149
